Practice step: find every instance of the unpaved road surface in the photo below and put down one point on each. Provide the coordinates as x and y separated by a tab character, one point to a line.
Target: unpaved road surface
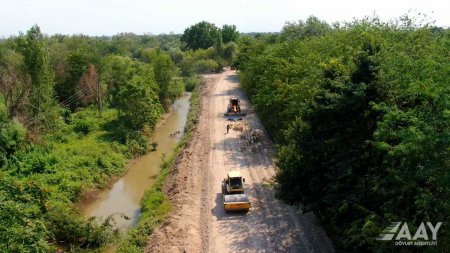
198	222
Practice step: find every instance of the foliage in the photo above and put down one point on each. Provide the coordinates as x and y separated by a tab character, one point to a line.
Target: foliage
200	36
14	83
38	186
164	72
138	105
52	155
37	64
205	66
25	229
229	33
192	82
88	86
67	225
199	62
12	138
312	27
361	116
229	52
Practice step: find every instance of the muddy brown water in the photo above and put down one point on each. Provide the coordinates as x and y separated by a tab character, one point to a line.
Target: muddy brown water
121	201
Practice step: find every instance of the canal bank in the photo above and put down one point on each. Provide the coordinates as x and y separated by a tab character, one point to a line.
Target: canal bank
121	201
154	205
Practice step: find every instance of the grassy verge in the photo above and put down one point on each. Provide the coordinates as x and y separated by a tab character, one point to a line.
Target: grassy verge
155	205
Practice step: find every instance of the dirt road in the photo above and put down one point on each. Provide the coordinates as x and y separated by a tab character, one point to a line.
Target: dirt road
198	222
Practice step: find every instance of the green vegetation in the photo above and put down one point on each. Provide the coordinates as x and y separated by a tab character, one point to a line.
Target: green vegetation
155	205
361	114
200	36
213	48
73	111
191	83
39	183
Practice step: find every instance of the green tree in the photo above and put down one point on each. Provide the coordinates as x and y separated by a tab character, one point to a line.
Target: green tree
138	104
229	52
12	138
201	35
176	55
229	33
116	71
14	82
164	71
304	29
361	116
78	63
218	45
37	62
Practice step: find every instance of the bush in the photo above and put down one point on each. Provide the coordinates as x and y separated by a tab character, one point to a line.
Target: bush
12	137
205	66
83	126
85	121
137	143
221	63
23	228
176	89
191	82
67	226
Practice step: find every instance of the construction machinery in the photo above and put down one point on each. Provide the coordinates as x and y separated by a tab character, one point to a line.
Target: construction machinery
234	196
234	107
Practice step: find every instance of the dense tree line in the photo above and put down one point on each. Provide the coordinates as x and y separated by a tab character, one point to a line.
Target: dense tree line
361	113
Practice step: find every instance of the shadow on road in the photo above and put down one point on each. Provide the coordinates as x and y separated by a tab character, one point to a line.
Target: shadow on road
233	79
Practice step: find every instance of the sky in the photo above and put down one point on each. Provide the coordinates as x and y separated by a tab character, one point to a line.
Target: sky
109	17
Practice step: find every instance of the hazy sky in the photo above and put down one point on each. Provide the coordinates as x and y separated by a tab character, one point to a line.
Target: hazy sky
108	17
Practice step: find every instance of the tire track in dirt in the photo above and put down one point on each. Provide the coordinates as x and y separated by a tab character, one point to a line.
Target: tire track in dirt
198	222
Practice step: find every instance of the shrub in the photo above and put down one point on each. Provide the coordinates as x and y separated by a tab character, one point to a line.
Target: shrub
83	126
191	82
137	143
12	137
67	226
205	66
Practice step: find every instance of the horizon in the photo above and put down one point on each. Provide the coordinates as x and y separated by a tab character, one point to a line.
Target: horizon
140	17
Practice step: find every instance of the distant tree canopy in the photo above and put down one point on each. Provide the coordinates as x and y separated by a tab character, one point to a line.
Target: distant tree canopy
313	26
200	36
229	33
204	35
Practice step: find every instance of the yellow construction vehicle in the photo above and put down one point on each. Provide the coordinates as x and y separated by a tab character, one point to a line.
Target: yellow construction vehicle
234	196
234	107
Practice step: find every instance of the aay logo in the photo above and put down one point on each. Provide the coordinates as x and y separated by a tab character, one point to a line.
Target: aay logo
403	237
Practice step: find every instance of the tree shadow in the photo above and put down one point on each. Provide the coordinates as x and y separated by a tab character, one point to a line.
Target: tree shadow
233	78
112	130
